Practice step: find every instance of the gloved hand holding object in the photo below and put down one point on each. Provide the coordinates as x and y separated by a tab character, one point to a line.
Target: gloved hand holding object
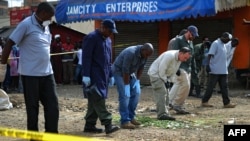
137	86
178	73
167	85
86	80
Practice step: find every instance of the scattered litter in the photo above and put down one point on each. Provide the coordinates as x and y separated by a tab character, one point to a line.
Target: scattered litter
231	121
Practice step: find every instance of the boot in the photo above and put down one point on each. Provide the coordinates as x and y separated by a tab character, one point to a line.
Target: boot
111	128
92	129
198	91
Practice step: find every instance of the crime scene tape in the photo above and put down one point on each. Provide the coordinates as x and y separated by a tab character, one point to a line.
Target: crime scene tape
40	136
52	54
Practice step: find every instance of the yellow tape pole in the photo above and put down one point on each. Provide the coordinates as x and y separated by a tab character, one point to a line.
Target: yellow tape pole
71	52
24	134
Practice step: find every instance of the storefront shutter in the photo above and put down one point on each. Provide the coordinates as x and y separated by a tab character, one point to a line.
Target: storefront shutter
133	33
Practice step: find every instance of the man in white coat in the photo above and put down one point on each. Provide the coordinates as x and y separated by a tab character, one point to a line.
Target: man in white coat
160	72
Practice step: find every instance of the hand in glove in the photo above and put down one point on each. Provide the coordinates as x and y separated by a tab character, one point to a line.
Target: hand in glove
167	85
127	90
178	73
111	81
86	80
137	86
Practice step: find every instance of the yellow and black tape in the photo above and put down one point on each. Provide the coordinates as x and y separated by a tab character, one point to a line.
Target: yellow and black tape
25	134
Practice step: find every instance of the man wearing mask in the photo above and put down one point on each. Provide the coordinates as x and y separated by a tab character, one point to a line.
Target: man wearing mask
33	37
218	71
180	90
96	64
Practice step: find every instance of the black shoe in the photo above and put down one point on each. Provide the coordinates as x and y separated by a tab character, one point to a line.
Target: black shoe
181	111
166	117
92	129
111	128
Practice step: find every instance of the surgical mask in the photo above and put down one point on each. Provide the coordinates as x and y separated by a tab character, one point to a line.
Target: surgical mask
46	23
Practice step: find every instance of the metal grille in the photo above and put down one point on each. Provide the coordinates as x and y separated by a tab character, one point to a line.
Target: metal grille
131	33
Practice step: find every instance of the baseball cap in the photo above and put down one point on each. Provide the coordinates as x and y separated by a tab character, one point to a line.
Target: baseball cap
110	24
194	30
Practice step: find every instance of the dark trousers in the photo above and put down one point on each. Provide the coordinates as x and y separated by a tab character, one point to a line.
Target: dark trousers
7	79
41	88
97	109
223	83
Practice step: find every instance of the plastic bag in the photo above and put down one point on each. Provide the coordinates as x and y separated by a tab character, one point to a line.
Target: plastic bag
5	103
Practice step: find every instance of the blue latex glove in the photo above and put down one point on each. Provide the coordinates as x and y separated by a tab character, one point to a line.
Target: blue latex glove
137	86
111	81
86	80
127	90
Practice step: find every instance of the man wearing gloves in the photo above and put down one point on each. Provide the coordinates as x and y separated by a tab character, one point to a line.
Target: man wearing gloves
96	61
127	70
160	71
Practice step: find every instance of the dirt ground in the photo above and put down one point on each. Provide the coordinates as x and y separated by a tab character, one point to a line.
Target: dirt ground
204	124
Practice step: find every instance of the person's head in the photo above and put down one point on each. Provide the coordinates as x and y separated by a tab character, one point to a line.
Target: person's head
204	39
234	42
207	44
45	11
184	54
108	27
192	32
147	50
182	32
57	37
225	37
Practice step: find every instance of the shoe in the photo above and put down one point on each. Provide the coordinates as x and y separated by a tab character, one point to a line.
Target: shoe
111	128
230	105
166	117
128	125
181	111
135	122
205	104
92	129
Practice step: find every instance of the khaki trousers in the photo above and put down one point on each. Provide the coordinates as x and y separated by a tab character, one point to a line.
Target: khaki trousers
161	96
180	90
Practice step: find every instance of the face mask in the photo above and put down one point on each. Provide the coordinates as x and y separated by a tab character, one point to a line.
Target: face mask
46	23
